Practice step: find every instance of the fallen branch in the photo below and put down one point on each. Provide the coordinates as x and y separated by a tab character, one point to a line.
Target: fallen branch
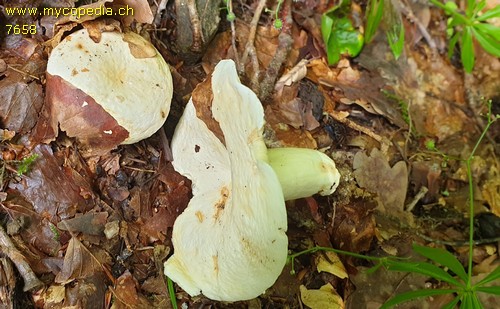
30	279
284	46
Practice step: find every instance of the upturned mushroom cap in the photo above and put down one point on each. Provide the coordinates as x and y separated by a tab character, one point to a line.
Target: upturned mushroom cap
230	242
115	91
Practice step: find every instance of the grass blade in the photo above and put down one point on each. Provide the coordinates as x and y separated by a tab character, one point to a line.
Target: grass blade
171	293
374	16
489	289
407	296
444	258
424	269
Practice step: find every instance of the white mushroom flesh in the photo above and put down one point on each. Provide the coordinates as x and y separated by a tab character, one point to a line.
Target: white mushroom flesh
230	242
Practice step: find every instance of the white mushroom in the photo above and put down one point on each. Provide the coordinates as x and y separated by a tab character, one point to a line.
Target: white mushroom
230	242
115	91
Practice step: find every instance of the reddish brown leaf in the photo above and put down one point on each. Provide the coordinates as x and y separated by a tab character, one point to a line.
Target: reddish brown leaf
50	189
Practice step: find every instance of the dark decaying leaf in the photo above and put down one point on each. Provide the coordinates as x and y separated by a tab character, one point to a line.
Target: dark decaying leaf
80	262
90	223
52	187
20	104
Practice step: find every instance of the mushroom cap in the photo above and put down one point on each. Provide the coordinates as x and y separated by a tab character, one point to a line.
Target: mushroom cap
230	242
117	90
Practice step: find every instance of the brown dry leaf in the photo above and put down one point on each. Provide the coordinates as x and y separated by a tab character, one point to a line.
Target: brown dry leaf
286	135
53	296
491	193
42	187
87	293
329	262
126	293
80	262
298	72
95	28
390	184
354	225
141	11
324	298
21	103
93	8
91	223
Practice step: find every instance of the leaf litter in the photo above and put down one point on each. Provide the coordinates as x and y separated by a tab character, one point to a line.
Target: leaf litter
96	230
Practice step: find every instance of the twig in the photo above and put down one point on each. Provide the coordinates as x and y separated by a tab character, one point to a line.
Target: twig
250	47
159	11
412	18
196	26
284	46
30	279
341	117
423	191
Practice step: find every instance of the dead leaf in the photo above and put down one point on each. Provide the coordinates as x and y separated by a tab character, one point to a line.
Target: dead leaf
298	72
141	11
127	295
42	187
324	298
390	184
329	261
21	103
95	9
91	223
80	262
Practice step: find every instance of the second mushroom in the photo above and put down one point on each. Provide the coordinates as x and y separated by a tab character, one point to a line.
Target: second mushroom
230	243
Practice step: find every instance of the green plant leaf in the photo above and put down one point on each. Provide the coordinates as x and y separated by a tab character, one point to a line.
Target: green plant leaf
326	27
407	296
471	5
488	43
444	258
467	53
26	163
479	7
489	289
343	40
423	268
494	275
470	301
489	29
494	12
396	40
375	10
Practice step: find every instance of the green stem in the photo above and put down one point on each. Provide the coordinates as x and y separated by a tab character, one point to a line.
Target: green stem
468	163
